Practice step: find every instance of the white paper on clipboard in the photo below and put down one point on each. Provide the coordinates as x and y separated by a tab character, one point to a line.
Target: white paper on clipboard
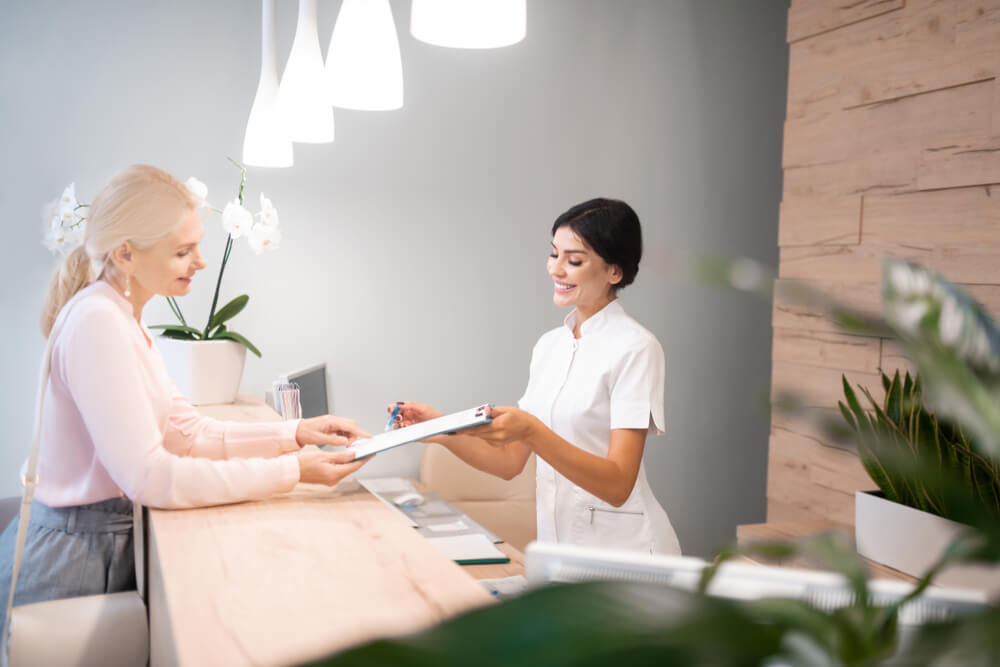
428	429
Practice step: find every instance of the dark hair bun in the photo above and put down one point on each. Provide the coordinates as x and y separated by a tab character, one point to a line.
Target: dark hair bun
611	228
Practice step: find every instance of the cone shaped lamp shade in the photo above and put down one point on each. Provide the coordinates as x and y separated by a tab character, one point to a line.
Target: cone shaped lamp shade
363	65
266	144
303	96
469	24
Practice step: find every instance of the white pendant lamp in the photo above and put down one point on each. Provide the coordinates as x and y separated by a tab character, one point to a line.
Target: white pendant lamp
469	24
266	143
363	65
303	96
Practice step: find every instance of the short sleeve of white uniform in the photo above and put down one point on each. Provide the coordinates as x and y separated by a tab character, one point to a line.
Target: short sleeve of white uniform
637	390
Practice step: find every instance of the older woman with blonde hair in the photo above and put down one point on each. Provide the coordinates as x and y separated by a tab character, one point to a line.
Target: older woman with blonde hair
116	430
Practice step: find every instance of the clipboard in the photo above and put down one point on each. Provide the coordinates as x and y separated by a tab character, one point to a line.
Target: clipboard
402	436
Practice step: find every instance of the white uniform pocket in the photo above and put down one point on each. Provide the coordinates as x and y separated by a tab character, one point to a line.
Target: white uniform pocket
603	525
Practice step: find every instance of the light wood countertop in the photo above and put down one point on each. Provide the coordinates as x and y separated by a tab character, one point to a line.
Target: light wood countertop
295	577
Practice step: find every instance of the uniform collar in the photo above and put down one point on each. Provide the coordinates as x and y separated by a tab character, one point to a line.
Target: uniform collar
597	321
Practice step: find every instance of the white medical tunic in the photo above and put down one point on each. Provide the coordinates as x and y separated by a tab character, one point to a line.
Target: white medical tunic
582	388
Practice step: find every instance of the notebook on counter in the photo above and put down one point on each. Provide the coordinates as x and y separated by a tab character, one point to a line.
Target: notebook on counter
417	432
472	549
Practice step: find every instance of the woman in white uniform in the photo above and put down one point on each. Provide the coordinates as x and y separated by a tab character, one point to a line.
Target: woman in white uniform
595	391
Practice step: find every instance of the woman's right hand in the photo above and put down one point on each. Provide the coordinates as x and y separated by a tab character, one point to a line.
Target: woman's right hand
317	466
413	413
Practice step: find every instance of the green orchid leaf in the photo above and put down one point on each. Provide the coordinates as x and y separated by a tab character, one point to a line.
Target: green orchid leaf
176	328
232	335
214	333
180	335
229	311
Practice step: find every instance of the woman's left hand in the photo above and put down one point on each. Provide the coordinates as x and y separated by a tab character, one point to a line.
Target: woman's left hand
509	424
328	430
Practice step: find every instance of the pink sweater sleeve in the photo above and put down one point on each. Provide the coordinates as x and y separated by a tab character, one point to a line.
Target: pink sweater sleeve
192	434
107	383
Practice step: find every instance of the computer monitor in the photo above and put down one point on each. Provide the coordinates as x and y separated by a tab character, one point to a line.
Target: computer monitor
547	563
312	389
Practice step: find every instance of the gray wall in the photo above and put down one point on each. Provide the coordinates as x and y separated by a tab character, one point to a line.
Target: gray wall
413	259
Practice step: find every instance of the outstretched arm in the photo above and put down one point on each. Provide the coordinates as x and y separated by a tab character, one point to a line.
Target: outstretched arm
505	460
610	478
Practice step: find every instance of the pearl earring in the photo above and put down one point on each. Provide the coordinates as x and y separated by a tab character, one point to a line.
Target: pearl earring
128	285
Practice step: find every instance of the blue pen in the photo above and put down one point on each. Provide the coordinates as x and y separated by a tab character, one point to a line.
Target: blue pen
392	418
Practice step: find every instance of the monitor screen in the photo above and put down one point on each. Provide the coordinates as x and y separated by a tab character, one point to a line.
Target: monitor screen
312	390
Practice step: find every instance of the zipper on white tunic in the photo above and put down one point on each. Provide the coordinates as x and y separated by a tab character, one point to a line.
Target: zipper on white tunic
592	509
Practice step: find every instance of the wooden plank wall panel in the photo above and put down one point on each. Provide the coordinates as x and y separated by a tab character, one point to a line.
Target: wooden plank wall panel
832	350
819	386
917	120
996	104
969	161
792	313
960	263
820	222
892	148
926	45
809	17
959	216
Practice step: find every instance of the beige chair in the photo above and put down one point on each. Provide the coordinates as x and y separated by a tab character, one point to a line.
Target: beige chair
505	507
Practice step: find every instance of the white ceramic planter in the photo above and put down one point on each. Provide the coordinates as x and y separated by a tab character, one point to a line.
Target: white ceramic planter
910	540
206	371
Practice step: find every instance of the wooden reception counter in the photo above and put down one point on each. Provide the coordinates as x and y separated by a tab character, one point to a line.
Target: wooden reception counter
294	577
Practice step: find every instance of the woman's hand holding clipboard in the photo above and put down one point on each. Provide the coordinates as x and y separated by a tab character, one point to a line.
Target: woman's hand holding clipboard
446	424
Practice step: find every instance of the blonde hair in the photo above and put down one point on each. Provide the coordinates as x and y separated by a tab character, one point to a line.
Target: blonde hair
140	205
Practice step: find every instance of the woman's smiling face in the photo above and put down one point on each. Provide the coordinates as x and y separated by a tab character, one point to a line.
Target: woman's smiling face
167	267
581	277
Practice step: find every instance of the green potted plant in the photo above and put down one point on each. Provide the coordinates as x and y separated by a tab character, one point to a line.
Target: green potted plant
908	523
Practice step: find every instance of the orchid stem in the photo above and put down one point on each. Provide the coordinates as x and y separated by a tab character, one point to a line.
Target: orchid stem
229	248
218	284
174	306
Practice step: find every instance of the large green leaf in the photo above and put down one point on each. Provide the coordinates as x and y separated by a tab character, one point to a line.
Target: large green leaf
229	311
232	335
590	624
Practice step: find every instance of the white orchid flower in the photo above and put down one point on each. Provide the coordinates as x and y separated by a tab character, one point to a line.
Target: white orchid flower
236	220
73	234
68	217
68	202
55	240
268	214
199	190
264	237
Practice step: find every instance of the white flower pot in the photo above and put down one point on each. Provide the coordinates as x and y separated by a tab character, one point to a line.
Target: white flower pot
205	371
910	540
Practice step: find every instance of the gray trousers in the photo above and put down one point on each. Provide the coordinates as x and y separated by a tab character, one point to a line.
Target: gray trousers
69	552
